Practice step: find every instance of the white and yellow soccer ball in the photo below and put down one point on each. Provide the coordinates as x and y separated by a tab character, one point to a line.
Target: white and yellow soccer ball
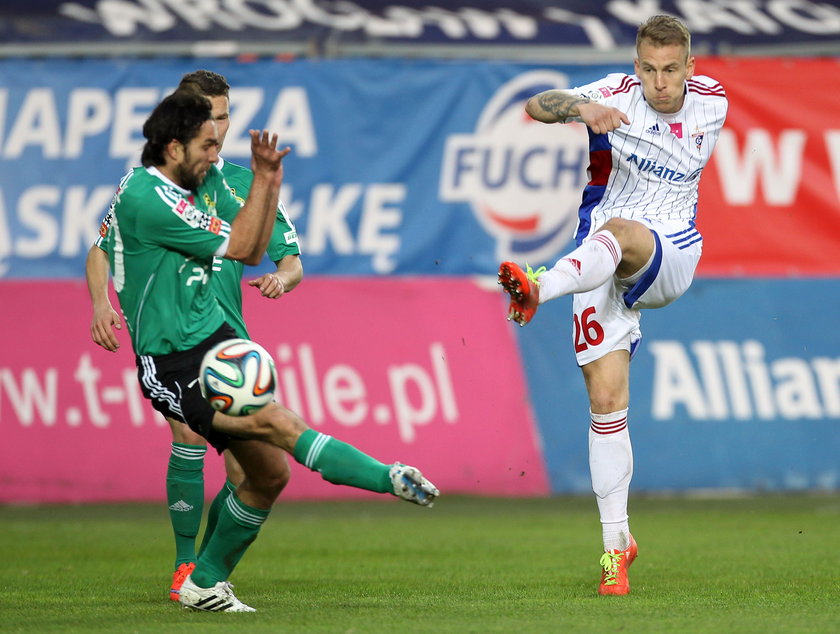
237	377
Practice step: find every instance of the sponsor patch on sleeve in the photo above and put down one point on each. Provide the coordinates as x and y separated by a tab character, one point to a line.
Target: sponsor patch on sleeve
215	225
598	94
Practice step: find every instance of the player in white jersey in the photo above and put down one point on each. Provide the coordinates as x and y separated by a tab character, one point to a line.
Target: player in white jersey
650	136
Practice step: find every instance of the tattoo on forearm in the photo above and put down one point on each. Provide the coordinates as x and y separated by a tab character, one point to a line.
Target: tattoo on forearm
561	104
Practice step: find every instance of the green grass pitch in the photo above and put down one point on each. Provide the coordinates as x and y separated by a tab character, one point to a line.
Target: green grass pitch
753	564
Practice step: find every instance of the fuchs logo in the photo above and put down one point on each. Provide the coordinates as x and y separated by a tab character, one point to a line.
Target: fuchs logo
522	178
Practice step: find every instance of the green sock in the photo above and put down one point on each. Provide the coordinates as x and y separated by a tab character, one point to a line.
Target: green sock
238	526
185	496
213	514
340	463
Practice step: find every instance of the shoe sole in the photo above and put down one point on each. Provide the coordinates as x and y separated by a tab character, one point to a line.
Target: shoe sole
513	279
422	491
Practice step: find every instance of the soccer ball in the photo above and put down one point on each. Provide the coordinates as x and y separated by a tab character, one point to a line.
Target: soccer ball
238	377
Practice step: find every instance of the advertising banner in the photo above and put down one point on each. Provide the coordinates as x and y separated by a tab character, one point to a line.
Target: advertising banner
376	363
417	167
718	25
770	200
406	179
736	385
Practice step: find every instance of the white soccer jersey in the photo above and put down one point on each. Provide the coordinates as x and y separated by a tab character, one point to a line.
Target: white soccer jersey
651	168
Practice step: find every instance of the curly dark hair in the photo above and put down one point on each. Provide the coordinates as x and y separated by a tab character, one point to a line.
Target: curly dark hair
178	117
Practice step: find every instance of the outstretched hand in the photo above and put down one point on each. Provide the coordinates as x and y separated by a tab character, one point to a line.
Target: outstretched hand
265	157
600	118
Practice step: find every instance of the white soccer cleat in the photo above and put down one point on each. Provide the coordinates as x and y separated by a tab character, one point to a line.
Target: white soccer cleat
410	485
219	598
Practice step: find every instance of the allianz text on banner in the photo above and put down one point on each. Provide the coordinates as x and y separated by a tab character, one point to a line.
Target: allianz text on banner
736	385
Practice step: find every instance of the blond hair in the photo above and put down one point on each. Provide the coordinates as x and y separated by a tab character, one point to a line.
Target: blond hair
664	30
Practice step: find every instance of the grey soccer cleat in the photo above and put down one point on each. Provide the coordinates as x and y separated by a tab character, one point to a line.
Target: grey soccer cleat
410	485
219	598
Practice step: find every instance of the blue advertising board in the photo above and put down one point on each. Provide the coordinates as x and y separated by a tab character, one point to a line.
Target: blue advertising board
736	386
397	167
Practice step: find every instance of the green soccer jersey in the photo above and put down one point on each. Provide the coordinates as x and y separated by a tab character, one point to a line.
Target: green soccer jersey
226	282
160	243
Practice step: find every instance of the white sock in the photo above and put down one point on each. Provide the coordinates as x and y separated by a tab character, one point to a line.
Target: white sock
611	468
585	268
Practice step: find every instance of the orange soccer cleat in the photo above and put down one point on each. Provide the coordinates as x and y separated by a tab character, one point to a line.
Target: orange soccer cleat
183	571
615	563
523	289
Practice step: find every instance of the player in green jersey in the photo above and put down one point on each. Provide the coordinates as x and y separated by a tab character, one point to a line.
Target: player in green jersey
185	472
163	237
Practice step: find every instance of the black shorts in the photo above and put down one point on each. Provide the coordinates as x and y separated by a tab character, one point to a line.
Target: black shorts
170	382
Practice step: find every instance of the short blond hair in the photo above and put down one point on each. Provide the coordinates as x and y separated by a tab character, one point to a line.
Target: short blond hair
664	30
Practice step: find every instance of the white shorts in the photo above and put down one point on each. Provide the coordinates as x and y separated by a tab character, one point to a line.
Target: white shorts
607	318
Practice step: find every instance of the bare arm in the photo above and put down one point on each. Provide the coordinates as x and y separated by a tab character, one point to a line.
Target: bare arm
558	106
105	318
251	229
553	106
289	273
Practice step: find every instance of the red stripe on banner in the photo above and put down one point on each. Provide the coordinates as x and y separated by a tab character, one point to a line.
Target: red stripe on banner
770	195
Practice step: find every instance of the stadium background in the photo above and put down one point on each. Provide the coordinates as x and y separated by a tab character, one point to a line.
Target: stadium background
414	171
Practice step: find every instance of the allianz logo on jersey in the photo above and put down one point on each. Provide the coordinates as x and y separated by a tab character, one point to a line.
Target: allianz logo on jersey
663	171
523	179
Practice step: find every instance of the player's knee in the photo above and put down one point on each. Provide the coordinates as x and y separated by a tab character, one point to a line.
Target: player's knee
607	400
269	480
276	480
636	241
621	228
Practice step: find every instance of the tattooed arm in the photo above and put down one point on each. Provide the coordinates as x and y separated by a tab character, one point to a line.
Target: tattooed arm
558	106
553	106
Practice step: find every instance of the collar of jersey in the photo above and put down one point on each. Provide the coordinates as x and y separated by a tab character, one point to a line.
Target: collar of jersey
154	171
